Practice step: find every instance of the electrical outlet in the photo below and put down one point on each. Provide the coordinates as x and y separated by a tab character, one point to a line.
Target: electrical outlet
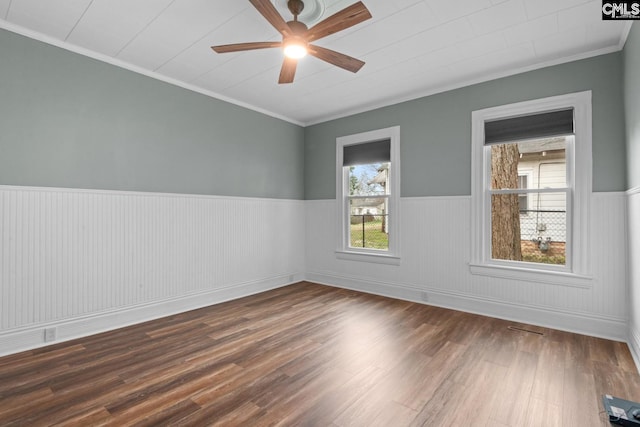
291	278
49	334
424	296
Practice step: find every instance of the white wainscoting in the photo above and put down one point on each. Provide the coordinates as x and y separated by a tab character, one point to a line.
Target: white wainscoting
435	253
86	261
633	207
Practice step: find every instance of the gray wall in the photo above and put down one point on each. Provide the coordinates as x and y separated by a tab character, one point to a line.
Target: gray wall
436	130
70	121
632	105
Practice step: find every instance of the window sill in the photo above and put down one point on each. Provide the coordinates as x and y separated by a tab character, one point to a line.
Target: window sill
533	275
368	257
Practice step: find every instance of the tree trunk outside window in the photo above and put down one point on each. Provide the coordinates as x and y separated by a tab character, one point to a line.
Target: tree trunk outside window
505	208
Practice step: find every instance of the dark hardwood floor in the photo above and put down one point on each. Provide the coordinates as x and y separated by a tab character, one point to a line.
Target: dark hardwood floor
311	355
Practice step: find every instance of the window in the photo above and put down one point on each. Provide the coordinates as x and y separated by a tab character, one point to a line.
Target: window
531	170
369	204
519	231
367	192
523	199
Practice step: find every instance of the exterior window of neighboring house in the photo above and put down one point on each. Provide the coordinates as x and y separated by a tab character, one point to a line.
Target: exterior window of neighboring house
532	181
523	199
367	189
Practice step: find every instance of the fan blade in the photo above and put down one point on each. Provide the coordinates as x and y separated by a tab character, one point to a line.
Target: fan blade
268	10
288	71
336	58
348	17
238	47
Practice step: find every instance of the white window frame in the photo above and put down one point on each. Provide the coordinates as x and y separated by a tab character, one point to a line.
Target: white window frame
344	251
576	272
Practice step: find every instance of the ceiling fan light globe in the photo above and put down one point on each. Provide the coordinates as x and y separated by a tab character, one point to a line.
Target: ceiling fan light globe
295	51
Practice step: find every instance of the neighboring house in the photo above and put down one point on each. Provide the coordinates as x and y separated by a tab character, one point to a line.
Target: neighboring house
542	165
368	206
374	205
382	179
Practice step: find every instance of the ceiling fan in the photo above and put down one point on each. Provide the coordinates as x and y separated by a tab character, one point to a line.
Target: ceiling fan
297	38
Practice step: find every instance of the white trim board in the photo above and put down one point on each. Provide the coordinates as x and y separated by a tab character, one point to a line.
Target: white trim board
356	110
465	83
33	337
633	272
139	70
97	191
581	323
633	343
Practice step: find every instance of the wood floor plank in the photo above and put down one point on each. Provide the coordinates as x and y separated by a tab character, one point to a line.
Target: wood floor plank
581	400
17	404
473	398
167	416
548	383
624	358
542	413
511	401
98	416
421	380
393	413
241	416
366	408
443	403
312	355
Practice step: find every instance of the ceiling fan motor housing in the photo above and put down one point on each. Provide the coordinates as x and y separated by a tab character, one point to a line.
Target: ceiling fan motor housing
298	28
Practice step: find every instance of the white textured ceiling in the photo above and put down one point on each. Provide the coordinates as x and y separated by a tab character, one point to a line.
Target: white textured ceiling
411	47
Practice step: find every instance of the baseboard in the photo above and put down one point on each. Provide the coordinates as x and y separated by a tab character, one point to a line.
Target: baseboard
581	323
634	346
633	340
33	336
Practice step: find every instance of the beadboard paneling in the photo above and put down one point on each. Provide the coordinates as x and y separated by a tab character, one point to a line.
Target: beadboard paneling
72	254
435	254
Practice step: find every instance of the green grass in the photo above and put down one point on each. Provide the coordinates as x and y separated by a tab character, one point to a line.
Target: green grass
374	237
545	259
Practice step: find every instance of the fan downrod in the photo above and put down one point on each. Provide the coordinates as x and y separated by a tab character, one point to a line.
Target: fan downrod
295	7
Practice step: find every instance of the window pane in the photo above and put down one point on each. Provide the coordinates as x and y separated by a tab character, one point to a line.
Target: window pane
369	223
545	159
523	204
369	180
537	234
523	182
